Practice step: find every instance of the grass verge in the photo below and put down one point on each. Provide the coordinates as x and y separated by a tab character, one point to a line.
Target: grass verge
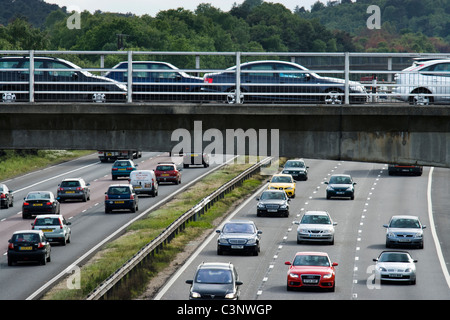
116	253
18	162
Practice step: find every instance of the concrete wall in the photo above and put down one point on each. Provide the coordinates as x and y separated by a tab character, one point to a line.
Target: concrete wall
374	133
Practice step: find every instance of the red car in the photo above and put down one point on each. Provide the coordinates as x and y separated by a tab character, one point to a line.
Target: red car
312	270
167	172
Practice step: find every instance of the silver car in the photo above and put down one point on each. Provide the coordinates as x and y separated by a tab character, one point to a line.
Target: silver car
315	226
54	227
404	230
395	266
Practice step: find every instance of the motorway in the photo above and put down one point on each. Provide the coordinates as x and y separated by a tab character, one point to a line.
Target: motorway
89	224
360	237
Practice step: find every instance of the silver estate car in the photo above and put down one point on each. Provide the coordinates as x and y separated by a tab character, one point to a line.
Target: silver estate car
315	226
54	226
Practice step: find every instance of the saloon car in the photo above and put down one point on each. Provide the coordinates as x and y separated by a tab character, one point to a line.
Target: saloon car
311	270
156	80
239	236
6	197
315	226
280	81
273	202
55	80
39	202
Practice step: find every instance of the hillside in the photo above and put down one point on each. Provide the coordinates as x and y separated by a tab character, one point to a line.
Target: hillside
34	11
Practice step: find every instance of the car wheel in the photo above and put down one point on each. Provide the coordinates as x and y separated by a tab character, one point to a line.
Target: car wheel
231	96
334	97
420	98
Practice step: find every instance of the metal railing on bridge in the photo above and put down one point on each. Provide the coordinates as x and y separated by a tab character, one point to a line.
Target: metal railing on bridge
233	77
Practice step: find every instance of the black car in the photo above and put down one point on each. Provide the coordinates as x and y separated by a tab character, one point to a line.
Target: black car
397	169
28	245
121	197
55	80
340	186
40	202
215	280
6	197
155	80
280	81
273	202
73	188
239	236
297	169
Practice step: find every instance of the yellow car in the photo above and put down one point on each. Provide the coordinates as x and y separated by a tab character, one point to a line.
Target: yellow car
283	182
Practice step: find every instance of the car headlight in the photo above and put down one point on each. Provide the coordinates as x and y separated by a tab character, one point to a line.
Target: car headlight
283	206
408	270
230	295
251	241
261	206
418	235
223	241
327	276
195	295
357	88
382	269
272	188
293	275
289	188
391	235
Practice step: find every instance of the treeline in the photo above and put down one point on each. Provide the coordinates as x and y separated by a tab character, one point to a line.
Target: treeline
254	26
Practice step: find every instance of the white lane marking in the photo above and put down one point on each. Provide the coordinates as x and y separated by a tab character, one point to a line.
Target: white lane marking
433	229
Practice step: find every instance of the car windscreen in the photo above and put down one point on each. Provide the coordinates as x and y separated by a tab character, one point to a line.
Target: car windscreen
164	168
46	222
238	228
315	219
278	179
340	180
404	223
213	276
393	257
119	190
294	164
272	196
311	260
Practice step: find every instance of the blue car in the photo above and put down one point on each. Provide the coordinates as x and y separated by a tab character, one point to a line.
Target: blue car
280	81
121	197
154	80
122	168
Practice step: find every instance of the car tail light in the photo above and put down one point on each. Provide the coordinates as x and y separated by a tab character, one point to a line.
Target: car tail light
78	189
2	196
131	196
49	203
129	168
40	245
208	80
106	197
26	204
11	245
61	189
60	225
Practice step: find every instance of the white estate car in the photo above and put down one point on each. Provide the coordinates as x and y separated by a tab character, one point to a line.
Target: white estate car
424	83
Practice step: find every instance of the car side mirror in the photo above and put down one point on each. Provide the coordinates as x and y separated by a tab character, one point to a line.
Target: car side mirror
189	281
217	231
238	283
385	225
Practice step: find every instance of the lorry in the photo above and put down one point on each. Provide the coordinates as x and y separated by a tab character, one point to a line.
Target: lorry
112	155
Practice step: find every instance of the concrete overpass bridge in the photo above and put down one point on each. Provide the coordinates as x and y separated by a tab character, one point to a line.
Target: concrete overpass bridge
373	133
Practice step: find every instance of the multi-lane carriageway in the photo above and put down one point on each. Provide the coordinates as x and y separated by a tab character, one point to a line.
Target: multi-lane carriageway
359	233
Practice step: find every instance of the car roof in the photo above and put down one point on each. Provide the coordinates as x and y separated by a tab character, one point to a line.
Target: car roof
120	185
312	212
308	253
274	190
405	217
42	216
240	221
216	265
27	231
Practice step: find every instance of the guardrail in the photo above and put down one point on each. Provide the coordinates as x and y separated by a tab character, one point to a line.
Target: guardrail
26	76
172	230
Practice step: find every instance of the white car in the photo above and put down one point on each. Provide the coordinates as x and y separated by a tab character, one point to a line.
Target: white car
424	83
54	227
144	181
395	266
315	226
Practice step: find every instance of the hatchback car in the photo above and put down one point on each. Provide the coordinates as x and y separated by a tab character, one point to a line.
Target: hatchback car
155	80
55	80
311	270
122	168
73	188
54	226
395	266
340	186
424	83
280	81
215	281
273	202
404	230
239	236
195	159
121	197
283	182
315	226
297	169
6	197
28	245
40	202
167	172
